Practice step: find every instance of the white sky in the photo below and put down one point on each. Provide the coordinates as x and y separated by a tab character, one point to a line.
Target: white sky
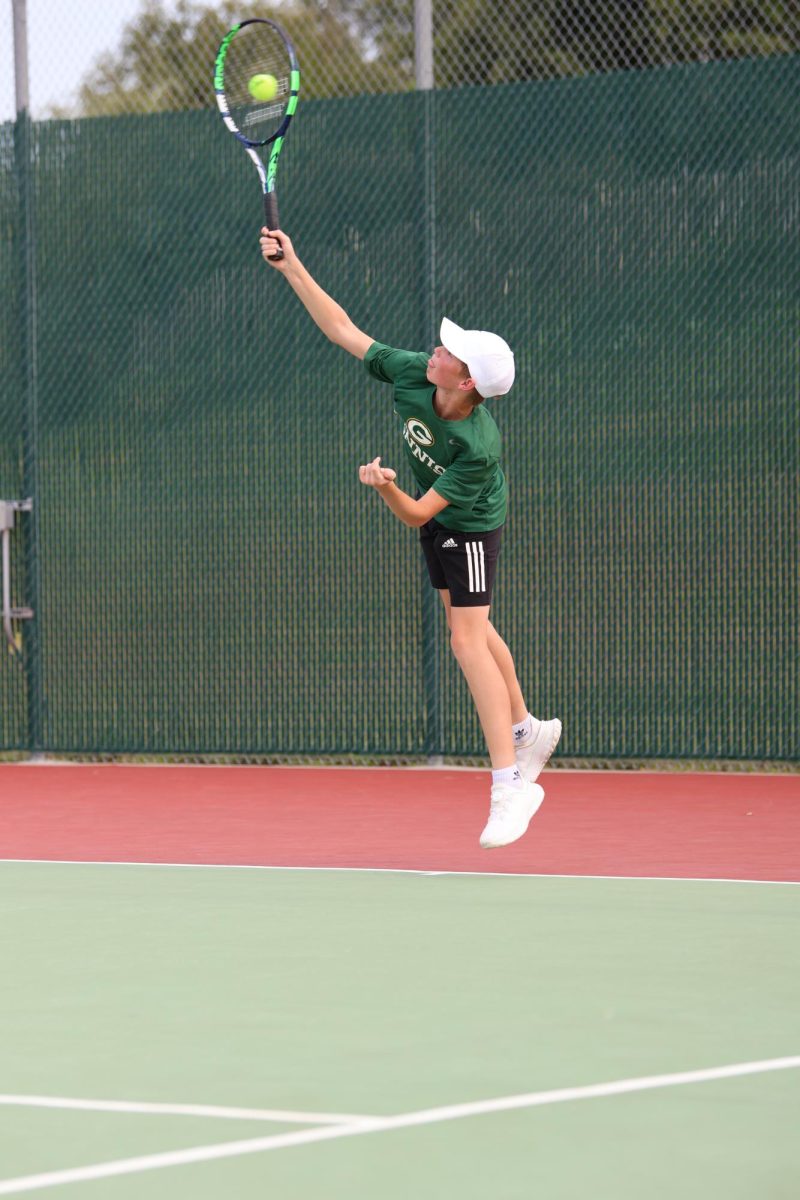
64	39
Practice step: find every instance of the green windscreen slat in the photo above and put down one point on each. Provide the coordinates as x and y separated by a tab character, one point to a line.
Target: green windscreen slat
212	577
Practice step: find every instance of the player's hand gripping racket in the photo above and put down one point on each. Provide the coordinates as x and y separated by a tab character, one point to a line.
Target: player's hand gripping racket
257	79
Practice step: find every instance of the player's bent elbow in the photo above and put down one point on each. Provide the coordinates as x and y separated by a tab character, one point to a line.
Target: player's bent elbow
420	516
428	507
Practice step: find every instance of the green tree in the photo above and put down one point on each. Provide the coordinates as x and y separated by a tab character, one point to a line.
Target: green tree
165	60
348	47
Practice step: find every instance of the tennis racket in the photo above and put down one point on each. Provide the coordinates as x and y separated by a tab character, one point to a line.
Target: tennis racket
257	80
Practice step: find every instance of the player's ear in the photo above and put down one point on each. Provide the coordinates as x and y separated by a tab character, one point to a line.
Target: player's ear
467	385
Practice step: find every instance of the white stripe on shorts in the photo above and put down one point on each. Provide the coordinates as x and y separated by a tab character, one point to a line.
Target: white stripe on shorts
476	566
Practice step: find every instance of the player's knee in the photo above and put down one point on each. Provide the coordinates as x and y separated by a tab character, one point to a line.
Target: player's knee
462	642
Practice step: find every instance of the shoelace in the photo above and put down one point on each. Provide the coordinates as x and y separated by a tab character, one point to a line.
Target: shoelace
499	805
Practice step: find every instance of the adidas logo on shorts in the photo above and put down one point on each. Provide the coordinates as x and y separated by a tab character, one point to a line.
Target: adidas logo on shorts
450	544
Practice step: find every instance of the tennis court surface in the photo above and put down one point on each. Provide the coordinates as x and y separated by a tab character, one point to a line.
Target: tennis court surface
312	983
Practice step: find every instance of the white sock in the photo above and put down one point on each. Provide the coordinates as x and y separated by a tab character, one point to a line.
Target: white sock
509	775
523	730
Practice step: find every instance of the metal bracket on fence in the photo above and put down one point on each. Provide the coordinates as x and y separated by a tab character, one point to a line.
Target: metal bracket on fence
8	509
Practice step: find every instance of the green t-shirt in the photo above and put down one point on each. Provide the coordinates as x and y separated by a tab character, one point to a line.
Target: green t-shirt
458	459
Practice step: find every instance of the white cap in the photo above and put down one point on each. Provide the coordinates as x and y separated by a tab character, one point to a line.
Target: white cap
489	359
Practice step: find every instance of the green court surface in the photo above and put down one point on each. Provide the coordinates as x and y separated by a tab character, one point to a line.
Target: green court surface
327	996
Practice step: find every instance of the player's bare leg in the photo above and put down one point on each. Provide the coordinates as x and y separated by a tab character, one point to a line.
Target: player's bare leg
502	656
514	800
534	740
469	641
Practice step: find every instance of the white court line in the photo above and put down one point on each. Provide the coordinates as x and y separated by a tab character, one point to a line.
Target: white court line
182	1110
430	1116
93	862
656	768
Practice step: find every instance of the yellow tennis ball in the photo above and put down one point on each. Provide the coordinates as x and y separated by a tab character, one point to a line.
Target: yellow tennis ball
262	87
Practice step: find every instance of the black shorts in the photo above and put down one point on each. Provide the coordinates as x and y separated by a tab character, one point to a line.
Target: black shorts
463	563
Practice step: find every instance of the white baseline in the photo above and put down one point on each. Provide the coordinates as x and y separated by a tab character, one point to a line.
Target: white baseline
185	866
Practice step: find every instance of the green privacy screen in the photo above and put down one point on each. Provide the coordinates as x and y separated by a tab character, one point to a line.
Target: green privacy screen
209	575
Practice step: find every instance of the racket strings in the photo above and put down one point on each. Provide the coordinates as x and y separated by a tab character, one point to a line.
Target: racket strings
256	50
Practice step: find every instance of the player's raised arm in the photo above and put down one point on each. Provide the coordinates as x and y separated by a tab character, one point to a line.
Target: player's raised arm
322	308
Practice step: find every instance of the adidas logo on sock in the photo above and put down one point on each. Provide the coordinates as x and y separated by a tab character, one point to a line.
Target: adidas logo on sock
450	544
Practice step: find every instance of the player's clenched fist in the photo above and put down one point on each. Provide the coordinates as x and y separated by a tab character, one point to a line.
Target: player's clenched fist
374	475
272	241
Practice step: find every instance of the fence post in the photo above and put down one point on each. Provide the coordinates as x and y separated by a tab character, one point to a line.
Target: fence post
431	617
20	17
423	44
23	162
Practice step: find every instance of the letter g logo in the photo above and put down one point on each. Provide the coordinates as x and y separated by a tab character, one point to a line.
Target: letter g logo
419	432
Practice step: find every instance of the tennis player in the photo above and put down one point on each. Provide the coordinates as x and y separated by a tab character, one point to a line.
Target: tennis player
453	449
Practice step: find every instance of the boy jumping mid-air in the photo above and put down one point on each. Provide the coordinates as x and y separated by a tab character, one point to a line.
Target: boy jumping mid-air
453	447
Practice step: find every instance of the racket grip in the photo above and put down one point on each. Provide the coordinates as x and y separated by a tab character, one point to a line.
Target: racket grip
271	218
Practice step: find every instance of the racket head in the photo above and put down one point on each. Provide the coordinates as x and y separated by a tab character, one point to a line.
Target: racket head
256	47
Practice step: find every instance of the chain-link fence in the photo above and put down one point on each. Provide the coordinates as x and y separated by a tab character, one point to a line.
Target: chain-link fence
621	203
106	57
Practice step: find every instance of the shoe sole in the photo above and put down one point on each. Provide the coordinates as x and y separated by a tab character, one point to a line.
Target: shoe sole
536	805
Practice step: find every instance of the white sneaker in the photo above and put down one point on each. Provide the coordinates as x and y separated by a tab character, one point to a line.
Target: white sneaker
511	809
532	758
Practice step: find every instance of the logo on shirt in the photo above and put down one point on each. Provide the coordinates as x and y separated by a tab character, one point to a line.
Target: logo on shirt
419	432
416	435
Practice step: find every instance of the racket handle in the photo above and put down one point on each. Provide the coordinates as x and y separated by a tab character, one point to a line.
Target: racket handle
271	218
